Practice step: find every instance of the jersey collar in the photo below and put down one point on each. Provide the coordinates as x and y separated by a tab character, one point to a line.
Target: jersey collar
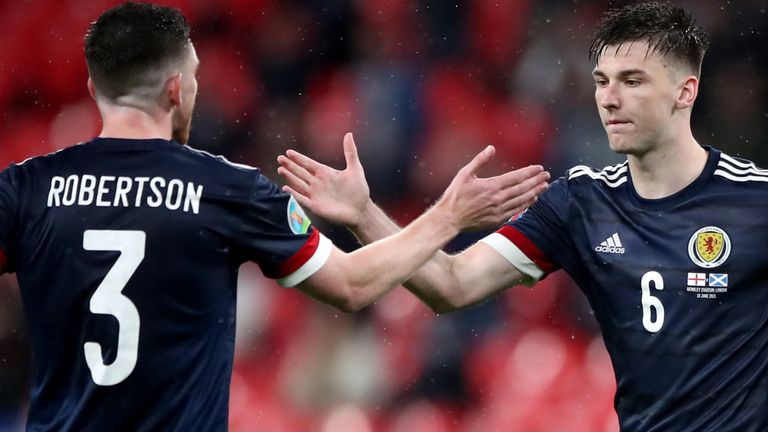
690	191
107	144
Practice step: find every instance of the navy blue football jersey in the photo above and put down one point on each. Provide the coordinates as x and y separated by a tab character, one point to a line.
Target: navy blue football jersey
679	286
127	254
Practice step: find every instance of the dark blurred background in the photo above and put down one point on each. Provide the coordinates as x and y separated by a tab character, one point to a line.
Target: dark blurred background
424	85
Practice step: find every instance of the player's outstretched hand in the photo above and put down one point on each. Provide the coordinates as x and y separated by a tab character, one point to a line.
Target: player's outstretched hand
340	197
477	203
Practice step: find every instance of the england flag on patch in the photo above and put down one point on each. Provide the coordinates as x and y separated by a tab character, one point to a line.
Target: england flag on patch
697	279
718	279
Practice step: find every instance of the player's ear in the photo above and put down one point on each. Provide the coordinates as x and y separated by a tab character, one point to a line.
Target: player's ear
173	89
91	88
687	92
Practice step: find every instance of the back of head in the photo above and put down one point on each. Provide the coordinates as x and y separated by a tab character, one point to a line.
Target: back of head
669	30
130	47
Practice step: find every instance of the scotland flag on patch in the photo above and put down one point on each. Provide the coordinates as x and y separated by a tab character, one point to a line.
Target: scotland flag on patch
718	279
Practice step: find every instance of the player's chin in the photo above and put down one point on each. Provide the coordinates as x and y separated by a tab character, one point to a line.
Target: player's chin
620	144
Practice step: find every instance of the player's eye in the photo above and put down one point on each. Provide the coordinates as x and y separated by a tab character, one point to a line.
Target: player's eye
632	82
601	82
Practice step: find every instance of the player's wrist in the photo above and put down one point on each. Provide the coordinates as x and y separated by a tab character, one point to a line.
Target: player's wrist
446	216
365	215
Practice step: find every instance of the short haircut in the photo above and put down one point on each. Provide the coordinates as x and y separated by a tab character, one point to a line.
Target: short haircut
669	30
131	41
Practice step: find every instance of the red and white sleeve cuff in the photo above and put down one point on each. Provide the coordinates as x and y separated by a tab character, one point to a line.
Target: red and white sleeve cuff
515	256
312	265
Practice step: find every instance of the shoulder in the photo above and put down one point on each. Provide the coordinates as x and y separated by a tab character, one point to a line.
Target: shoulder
583	182
234	179
224	171
217	161
612	176
33	166
738	170
65	152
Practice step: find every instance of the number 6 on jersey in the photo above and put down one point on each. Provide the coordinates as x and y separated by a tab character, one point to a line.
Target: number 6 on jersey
108	299
650	302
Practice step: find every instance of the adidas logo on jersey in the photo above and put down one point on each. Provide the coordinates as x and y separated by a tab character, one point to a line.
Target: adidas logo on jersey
611	245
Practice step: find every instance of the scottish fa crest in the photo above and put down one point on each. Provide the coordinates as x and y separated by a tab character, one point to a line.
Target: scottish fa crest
297	219
709	247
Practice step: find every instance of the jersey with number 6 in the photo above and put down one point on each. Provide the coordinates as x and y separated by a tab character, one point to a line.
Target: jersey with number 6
127	253
679	286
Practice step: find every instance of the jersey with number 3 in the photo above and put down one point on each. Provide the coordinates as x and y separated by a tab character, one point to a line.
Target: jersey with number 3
127	253
679	286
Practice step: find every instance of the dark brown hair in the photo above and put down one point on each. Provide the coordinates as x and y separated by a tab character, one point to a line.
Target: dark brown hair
129	41
669	31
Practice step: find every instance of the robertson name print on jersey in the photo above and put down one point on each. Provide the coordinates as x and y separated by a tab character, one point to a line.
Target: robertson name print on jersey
121	191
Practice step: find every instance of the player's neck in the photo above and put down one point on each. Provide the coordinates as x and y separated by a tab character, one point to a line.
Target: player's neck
667	170
132	123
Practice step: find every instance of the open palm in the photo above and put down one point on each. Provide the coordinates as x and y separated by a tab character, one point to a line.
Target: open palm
340	197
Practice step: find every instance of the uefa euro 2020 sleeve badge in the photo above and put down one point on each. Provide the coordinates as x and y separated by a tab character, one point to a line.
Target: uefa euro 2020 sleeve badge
298	221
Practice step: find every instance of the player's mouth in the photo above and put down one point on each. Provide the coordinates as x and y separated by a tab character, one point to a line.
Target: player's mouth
617	126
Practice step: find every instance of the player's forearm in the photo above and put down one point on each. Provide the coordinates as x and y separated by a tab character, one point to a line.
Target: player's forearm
393	259
434	282
374	225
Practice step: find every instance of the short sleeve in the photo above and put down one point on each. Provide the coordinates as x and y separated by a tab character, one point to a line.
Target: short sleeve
8	208
537	241
274	231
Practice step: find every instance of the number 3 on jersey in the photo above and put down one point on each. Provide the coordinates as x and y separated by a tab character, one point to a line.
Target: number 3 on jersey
650	302
108	299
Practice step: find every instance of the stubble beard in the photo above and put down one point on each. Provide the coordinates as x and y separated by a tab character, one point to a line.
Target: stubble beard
182	124
620	144
633	144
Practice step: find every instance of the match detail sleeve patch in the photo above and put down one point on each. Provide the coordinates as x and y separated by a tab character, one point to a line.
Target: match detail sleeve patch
520	252
308	260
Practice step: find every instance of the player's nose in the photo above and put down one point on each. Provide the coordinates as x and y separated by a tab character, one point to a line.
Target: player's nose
608	97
